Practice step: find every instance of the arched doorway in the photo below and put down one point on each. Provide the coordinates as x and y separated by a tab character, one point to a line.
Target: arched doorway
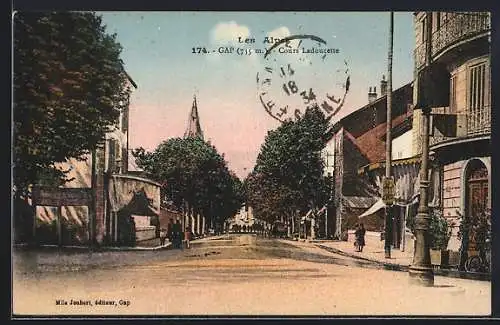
476	205
476	182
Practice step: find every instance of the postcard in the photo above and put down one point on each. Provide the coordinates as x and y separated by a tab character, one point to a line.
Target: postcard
188	163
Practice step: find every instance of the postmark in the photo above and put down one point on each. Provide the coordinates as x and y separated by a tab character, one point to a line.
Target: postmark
302	71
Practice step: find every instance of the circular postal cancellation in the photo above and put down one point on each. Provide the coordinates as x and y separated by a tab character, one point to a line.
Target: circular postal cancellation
300	72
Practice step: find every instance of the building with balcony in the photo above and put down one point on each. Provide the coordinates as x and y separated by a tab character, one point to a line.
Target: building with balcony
452	69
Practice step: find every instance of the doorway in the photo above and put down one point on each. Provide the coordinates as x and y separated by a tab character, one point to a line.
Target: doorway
476	193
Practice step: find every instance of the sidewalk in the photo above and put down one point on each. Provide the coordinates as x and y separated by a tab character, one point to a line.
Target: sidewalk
373	250
52	258
146	245
399	261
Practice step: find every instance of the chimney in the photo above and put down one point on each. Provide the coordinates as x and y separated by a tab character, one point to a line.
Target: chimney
383	86
372	94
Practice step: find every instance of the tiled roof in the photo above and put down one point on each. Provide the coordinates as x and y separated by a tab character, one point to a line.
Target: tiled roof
370	143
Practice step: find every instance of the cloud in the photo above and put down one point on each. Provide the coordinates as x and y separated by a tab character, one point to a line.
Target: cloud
228	32
279	32
282	32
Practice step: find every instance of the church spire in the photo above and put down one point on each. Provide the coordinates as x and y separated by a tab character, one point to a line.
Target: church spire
194	129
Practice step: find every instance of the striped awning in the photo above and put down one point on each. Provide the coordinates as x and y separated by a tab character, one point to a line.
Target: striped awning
396	162
359	202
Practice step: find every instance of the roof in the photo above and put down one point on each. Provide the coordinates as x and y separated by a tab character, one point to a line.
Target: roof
359	202
377	110
194	127
401	127
129	78
372	142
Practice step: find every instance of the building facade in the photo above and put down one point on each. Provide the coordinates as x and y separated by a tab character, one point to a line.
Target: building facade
359	142
455	48
101	204
405	168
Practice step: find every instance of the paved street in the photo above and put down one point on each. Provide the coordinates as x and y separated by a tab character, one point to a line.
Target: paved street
235	275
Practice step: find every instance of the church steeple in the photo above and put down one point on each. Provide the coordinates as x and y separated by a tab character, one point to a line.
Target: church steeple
194	129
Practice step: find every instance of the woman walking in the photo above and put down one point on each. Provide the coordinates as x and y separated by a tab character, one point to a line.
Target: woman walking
360	237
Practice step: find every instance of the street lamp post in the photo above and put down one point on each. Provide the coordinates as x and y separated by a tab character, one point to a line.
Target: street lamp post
420	271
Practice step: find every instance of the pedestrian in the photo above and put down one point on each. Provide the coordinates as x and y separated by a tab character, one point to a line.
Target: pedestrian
176	234
169	230
163	236
187	236
360	237
356	237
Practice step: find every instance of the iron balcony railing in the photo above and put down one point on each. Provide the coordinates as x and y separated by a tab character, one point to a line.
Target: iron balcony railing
468	125
458	27
479	122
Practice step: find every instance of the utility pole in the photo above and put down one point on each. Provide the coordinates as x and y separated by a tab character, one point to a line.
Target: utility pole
388	141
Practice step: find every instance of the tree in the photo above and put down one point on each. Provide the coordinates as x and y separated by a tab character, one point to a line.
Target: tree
288	175
194	177
69	86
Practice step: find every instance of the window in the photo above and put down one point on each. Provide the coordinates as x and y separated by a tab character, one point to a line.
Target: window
423	32
476	100
443	18
453	94
436	21
111	155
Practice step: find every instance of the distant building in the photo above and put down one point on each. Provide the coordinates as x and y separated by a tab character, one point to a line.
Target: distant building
194	127
193	130
244	217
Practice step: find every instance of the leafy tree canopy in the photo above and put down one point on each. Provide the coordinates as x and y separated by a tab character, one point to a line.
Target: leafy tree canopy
194	173
69	86
288	174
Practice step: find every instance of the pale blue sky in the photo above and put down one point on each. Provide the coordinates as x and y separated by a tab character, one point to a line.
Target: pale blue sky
157	54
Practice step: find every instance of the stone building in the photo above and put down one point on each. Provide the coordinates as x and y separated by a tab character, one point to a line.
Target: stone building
457	45
102	203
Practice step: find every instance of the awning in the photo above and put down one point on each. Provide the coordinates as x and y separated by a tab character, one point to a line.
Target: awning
374	208
140	205
134	195
394	163
323	209
358	202
381	205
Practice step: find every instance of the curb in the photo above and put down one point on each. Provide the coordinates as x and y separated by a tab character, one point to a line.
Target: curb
108	248
97	249
404	268
390	266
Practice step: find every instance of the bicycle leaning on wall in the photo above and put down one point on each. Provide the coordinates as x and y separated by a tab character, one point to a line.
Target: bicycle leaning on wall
481	262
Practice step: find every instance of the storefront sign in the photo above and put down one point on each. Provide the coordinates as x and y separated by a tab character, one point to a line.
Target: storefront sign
51	196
